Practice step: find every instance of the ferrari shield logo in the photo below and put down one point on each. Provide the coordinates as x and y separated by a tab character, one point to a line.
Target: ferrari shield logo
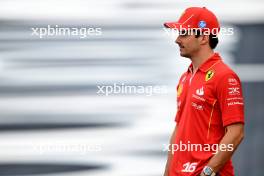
209	75
179	90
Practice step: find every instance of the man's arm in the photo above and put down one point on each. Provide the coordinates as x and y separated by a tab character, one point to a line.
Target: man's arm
234	135
166	173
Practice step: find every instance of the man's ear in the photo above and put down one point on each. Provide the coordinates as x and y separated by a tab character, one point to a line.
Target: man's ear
204	39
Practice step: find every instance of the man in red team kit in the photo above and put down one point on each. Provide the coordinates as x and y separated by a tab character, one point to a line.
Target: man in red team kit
210	113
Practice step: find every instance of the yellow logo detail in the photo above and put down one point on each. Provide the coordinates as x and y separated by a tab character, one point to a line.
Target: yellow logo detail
179	90
209	75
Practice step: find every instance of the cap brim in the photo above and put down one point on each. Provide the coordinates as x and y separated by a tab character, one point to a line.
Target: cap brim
173	25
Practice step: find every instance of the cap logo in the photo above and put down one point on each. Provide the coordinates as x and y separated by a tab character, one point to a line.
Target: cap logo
202	24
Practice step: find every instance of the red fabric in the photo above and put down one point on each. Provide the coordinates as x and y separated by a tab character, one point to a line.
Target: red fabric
191	18
207	102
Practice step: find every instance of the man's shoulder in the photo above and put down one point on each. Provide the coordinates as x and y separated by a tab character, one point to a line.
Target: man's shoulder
183	76
223	70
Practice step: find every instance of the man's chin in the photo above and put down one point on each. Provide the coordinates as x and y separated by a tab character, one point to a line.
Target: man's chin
184	55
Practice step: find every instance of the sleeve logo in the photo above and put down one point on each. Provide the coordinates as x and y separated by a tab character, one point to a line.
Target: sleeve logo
234	91
179	90
232	81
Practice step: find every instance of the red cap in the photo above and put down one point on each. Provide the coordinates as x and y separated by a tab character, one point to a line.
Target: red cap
196	18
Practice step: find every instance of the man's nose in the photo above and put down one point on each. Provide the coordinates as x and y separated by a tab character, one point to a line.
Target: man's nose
178	40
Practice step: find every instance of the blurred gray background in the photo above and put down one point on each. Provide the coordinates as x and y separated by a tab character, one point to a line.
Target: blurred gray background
53	122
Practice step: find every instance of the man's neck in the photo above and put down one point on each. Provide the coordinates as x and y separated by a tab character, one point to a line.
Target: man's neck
198	60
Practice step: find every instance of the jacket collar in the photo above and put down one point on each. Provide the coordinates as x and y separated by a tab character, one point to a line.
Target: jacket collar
209	63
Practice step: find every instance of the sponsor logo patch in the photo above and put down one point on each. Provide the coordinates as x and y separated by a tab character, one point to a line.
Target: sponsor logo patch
197	97
179	90
202	24
209	75
235	103
232	81
200	91
234	91
197	106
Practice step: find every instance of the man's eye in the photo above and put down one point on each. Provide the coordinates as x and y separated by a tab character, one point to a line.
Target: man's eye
183	33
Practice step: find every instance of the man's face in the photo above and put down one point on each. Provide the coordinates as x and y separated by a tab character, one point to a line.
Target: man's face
188	43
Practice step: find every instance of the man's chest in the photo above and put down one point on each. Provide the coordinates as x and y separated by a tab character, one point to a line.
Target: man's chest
196	92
